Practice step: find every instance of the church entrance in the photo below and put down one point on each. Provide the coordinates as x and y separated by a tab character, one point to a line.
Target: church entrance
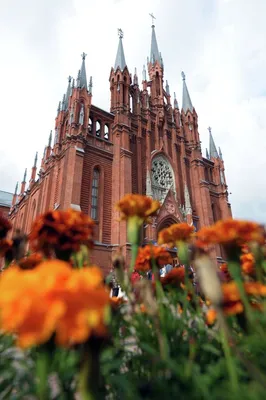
165	223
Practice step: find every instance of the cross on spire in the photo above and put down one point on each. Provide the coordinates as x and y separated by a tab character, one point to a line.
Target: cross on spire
210	130
183	75
152	18
120	33
83	55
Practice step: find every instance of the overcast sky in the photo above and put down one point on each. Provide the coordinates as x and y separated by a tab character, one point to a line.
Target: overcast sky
220	44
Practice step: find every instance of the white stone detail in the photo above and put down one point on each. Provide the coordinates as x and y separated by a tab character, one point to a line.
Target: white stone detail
162	178
222	177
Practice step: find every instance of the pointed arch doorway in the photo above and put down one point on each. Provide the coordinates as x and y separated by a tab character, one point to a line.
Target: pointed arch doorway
165	223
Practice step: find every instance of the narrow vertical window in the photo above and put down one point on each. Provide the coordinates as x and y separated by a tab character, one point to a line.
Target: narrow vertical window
95	194
106	132
98	128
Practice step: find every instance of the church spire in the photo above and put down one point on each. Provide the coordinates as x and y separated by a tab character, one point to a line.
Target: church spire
120	61
59	108
187	104
213	150
33	170
144	74
167	88
175	101
136	79
50	139
23	183
35	160
68	91
25	176
82	75
15	195
16	189
155	54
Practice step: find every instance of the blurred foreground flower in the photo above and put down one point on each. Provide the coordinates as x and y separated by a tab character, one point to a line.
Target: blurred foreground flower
147	254
232	303
136	205
230	233
53	299
248	263
175	277
62	231
136	209
176	233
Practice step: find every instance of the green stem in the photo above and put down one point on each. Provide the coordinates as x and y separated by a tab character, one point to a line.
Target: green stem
42	368
84	377
227	352
162	340
134	254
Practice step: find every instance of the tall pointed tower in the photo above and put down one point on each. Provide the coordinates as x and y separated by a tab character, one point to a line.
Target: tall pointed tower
120	82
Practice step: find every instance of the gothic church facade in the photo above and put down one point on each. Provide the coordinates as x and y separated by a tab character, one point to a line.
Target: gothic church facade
146	144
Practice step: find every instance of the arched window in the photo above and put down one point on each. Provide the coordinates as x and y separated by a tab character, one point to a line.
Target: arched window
106	132
157	84
90	125
98	128
95	193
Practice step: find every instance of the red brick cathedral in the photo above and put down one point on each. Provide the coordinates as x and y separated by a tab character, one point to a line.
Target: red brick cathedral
146	144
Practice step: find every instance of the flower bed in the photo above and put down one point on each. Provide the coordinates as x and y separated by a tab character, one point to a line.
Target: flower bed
195	333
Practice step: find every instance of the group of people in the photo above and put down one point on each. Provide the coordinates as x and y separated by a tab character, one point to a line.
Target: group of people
136	276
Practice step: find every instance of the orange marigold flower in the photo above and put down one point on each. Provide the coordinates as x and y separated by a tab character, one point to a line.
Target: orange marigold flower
30	261
5	226
233	308
176	233
175	277
5	246
52	299
231	232
231	293
149	252
62	230
137	205
255	288
248	263
211	316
